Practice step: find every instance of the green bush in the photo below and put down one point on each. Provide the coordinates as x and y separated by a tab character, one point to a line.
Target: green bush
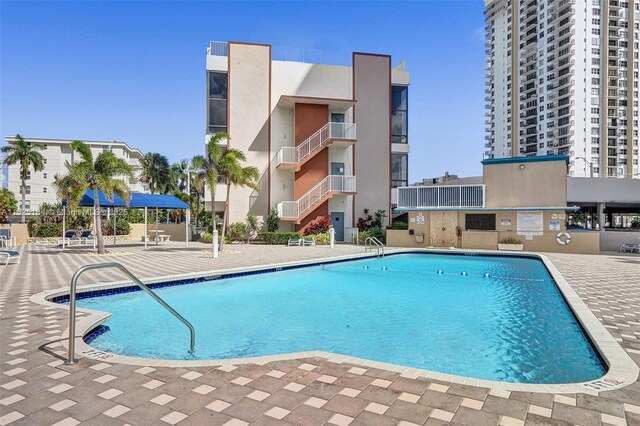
375	231
400	225
122	227
45	230
321	239
510	240
273	221
237	231
277	238
207	237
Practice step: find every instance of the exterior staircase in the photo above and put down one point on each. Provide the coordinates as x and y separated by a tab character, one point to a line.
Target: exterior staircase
296	211
295	156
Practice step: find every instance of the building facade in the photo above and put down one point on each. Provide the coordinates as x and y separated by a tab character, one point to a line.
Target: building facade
328	140
56	152
562	78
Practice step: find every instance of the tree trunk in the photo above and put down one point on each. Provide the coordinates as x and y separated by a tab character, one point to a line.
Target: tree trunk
23	190
224	219
98	222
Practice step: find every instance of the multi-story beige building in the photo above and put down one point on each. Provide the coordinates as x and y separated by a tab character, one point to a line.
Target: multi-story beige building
562	78
56	153
329	140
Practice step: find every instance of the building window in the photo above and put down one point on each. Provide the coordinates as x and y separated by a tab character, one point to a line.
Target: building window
216	102
480	222
399	170
44	190
27	189
399	114
44	175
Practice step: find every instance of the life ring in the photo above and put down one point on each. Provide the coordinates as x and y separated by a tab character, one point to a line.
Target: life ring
566	240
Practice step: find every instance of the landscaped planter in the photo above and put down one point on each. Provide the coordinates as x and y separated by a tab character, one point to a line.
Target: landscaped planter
512	247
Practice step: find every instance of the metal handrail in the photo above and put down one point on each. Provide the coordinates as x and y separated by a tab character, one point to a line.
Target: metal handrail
72	305
369	242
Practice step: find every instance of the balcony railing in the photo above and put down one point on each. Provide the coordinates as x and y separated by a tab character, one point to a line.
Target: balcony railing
317	141
441	196
288	210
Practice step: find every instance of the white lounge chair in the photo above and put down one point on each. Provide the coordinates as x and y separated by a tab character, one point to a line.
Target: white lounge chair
309	241
629	248
9	255
6	238
294	242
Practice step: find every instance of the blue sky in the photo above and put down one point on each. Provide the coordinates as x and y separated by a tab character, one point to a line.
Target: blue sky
135	71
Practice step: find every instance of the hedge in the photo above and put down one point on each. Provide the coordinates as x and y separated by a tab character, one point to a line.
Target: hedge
277	238
45	230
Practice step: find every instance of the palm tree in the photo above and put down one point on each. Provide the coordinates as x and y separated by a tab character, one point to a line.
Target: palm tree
197	183
219	162
27	155
154	171
98	175
237	175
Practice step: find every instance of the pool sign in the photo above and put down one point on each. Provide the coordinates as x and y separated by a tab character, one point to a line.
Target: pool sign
505	222
420	219
554	225
529	223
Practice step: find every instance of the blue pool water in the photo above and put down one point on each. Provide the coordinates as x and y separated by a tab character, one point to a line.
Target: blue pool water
513	326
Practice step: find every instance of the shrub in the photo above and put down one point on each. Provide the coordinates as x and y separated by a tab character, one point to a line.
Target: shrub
321	239
273	221
122	227
318	226
8	204
45	230
277	238
237	231
207	237
510	240
375	232
399	225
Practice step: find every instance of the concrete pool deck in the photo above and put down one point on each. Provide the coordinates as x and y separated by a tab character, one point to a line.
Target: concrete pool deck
35	388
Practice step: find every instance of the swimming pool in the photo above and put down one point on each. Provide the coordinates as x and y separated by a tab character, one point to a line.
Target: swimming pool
487	317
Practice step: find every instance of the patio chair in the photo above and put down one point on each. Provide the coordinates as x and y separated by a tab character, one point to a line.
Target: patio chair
309	241
629	248
6	238
10	255
86	237
294	242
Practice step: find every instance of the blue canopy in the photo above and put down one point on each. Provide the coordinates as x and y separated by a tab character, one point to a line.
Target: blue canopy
138	200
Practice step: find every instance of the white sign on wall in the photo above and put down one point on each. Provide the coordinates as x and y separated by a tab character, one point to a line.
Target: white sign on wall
420	219
529	223
554	225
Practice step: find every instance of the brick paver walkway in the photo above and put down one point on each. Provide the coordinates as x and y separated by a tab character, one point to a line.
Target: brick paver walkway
36	389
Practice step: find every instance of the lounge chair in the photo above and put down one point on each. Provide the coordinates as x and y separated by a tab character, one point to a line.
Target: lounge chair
9	255
294	242
309	241
86	237
629	248
6	238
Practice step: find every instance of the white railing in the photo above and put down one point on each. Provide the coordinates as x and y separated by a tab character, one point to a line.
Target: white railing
218	48
315	142
441	196
332	183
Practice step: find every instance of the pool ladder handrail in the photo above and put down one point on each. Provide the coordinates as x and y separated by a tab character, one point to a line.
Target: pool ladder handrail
72	305
369	242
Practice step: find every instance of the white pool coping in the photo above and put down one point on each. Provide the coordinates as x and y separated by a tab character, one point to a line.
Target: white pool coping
622	370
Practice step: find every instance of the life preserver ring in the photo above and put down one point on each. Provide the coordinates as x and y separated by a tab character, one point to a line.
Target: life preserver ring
566	240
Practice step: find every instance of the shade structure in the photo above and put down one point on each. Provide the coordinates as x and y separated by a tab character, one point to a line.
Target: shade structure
138	201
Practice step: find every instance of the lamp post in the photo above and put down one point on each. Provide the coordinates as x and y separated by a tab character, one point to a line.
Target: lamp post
188	171
589	163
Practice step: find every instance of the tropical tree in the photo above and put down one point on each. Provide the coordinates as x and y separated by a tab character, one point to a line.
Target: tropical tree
197	184
8	204
155	172
27	156
220	162
238	175
99	174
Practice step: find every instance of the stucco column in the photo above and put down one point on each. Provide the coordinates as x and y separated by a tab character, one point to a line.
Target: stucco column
601	218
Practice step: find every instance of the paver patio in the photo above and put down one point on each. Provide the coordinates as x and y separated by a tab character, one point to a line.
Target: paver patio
37	389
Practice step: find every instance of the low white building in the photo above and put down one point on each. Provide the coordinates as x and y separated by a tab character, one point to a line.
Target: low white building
56	153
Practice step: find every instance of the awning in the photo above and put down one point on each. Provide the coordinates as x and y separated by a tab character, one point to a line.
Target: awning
138	201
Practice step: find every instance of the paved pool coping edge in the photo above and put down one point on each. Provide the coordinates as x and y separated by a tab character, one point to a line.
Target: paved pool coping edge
621	372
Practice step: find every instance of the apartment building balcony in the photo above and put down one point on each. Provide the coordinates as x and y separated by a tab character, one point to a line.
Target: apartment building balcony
332	185
441	196
293	157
